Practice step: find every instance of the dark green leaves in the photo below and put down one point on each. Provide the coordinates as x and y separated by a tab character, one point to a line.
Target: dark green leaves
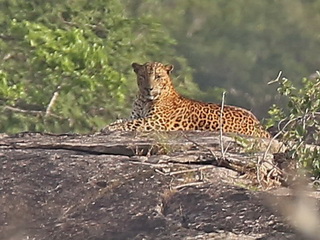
66	65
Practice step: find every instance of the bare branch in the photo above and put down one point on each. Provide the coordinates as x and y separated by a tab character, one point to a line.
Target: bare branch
187	185
200	146
277	78
51	103
220	125
33	112
191	170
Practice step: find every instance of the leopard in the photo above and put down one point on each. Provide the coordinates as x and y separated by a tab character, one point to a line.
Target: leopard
159	107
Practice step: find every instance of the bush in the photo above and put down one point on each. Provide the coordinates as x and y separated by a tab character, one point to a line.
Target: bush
65	65
299	123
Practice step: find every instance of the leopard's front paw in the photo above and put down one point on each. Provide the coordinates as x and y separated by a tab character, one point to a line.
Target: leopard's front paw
115	126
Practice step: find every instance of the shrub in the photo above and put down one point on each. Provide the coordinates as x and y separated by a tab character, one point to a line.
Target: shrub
299	123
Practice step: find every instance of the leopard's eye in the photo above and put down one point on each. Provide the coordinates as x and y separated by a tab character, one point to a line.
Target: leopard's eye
158	77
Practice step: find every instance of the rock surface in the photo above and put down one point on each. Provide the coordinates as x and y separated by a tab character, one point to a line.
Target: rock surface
128	186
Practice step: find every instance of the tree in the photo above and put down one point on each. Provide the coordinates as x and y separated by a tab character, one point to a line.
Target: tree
65	65
240	45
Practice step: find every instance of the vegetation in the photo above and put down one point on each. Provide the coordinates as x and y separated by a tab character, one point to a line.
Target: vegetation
65	65
299	123
240	45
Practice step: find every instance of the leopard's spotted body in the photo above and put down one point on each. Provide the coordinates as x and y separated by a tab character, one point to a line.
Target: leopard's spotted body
159	107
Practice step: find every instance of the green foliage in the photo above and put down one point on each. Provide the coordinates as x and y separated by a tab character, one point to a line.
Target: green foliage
9	92
300	123
66	65
79	53
238	45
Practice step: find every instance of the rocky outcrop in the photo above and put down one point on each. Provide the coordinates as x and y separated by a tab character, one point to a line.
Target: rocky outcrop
137	186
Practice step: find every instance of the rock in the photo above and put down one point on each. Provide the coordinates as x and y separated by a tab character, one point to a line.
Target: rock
137	186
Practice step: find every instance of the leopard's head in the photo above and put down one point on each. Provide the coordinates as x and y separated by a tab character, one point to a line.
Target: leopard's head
153	79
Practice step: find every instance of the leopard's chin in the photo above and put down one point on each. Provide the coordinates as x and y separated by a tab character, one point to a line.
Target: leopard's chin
152	97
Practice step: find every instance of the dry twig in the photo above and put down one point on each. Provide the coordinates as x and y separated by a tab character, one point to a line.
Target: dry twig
200	146
52	101
190	170
187	185
220	126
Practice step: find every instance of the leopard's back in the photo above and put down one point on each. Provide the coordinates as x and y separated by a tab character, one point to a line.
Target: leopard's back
189	115
195	115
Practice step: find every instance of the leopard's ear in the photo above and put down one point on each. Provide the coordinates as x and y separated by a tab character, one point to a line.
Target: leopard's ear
136	67
168	68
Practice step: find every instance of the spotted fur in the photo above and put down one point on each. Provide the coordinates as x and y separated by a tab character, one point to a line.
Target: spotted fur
158	107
